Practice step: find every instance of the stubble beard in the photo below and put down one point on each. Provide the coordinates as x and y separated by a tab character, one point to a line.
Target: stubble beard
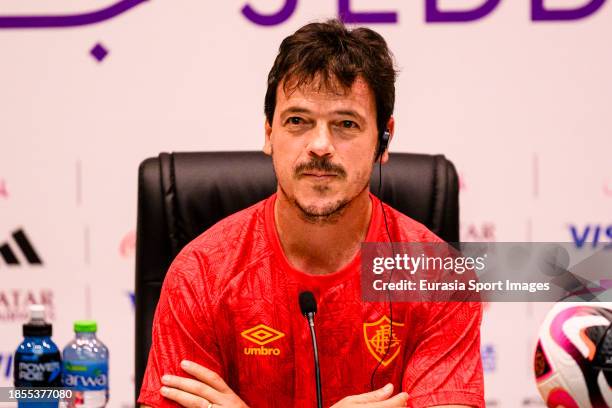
329	213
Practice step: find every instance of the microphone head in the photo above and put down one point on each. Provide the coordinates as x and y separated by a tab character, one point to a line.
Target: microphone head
308	304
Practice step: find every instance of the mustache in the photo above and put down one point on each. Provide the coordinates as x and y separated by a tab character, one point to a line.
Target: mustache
323	165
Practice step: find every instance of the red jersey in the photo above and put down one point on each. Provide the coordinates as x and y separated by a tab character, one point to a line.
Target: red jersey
230	302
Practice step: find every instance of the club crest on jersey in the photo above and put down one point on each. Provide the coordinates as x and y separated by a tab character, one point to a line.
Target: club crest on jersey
378	339
262	335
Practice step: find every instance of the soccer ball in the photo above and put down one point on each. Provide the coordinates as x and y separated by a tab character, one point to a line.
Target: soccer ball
572	362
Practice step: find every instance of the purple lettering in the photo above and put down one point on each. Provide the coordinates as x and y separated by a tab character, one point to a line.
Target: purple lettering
349	16
540	13
270	19
580	240
434	15
597	232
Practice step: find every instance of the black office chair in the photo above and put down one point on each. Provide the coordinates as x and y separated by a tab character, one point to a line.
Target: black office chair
180	195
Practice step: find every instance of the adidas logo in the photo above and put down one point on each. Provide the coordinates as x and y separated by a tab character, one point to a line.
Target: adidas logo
25	247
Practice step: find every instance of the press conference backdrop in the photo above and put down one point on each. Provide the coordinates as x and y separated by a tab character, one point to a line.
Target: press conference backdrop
517	93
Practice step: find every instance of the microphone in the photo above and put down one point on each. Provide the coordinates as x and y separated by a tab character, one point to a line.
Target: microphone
308	306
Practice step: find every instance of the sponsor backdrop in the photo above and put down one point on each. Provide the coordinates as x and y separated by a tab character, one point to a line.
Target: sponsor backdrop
517	93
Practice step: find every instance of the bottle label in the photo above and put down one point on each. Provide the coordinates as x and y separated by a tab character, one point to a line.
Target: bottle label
87	399
43	370
85	375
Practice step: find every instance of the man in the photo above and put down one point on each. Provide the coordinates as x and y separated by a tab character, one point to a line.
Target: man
228	332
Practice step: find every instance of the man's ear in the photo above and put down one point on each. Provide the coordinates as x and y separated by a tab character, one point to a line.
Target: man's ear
267	147
391	128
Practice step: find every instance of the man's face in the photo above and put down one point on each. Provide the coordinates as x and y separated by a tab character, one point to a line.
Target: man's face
323	145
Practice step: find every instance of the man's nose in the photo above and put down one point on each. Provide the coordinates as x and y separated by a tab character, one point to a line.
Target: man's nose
321	142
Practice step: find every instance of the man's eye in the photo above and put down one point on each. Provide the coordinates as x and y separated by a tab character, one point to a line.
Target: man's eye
294	120
348	124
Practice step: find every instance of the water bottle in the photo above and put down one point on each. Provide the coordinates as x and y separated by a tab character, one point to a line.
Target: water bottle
85	367
37	359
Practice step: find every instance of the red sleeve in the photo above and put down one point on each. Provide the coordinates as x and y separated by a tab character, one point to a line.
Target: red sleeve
182	328
446	367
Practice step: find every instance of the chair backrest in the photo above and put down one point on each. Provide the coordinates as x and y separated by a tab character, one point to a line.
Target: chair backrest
180	195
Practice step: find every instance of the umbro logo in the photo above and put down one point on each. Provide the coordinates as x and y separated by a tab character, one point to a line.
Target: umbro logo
262	335
22	245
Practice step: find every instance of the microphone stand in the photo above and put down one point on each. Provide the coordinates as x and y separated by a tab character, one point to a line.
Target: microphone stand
310	317
308	307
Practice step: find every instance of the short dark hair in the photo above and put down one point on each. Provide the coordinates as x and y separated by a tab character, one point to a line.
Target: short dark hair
337	56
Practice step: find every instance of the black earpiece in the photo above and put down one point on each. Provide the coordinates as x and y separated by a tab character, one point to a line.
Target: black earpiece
382	146
383	143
